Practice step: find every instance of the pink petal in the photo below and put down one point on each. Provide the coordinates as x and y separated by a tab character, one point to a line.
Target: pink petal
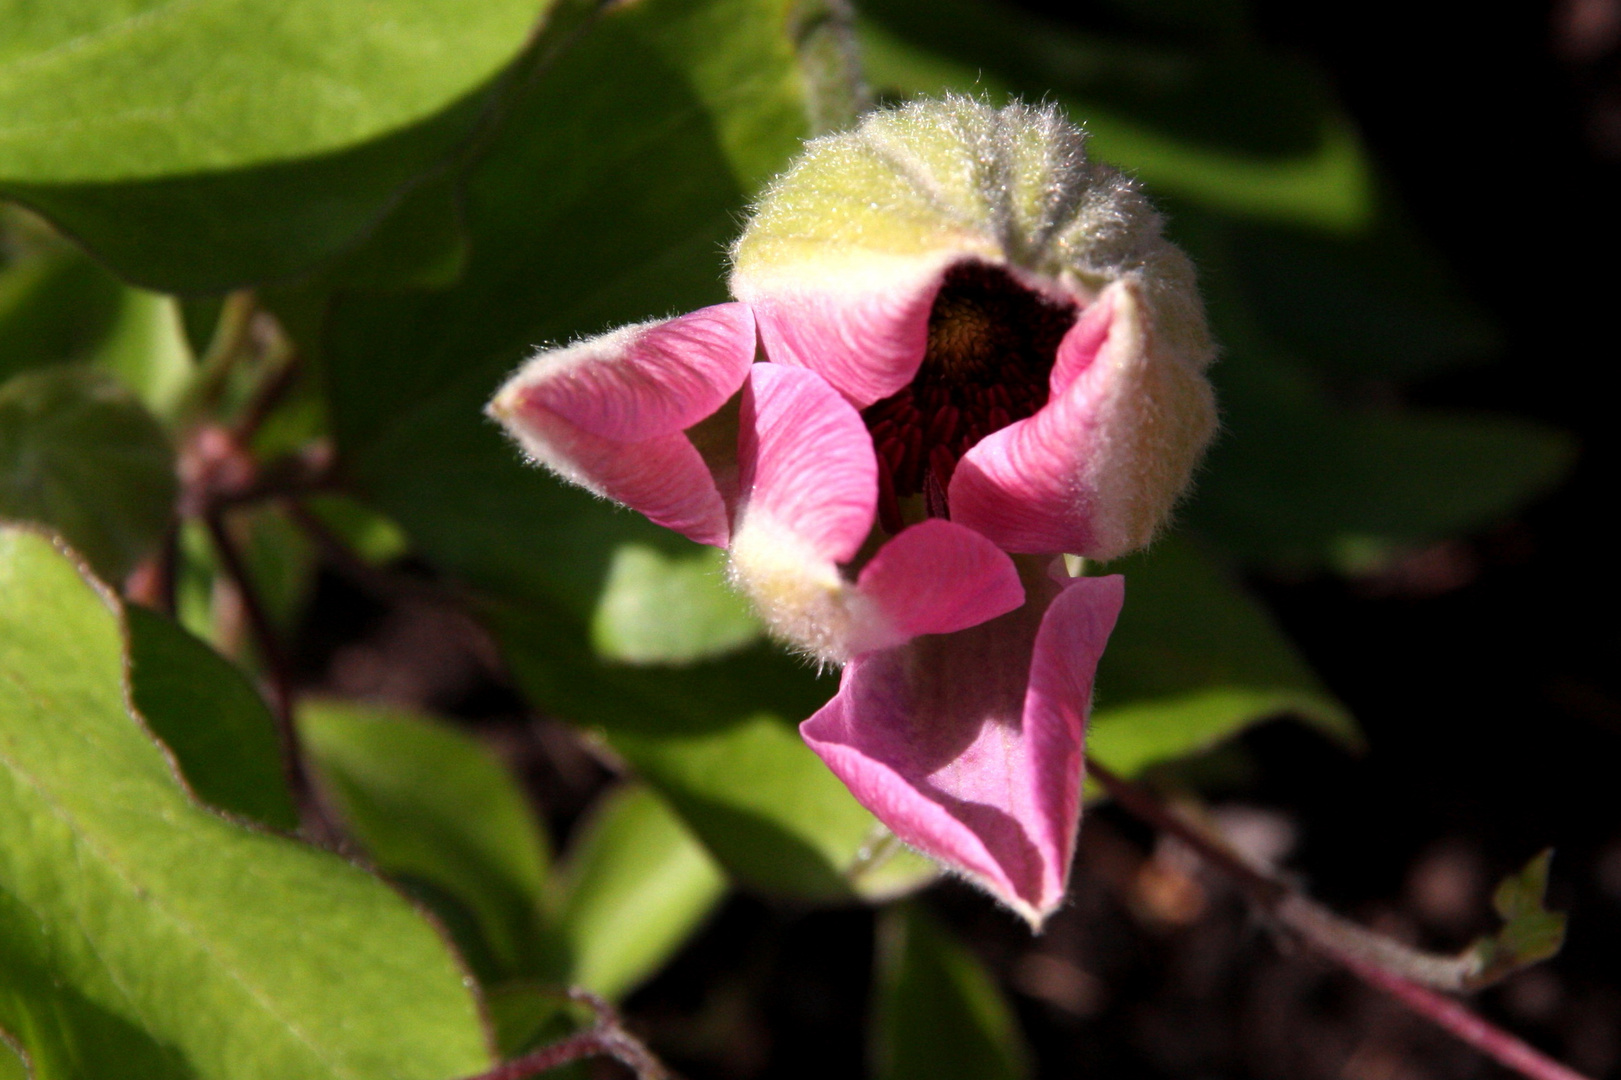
806	462
1097	469
938	577
864	333
608	414
664	477
809	489
970	746
645	380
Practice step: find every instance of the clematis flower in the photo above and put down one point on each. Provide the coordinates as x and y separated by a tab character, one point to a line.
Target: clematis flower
958	350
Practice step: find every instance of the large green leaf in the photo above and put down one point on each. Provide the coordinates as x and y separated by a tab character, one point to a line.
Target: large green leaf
1295	480
142	934
608	196
1302	479
196	146
55	305
211	718
79	454
1380	305
717	741
635	886
1192	662
433	807
939	1014
1233	128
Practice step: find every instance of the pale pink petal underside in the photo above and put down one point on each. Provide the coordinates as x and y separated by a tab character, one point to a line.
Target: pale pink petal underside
970	746
938	577
806	462
647	380
866	337
608	413
664	477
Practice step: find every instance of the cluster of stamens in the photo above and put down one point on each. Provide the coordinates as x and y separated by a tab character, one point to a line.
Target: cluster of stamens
991	347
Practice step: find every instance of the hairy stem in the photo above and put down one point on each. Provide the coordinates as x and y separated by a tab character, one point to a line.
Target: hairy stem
606	1037
1404	973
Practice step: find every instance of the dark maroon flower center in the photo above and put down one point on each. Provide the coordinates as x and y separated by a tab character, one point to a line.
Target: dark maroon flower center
992	343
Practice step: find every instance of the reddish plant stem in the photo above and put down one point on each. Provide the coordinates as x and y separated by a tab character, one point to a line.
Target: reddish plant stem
1365	954
1502	1047
606	1037
277	672
268	394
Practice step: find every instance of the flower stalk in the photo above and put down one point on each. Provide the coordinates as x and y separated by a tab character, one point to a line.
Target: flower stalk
1409	975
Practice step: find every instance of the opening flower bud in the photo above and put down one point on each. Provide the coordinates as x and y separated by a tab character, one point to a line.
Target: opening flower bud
956	340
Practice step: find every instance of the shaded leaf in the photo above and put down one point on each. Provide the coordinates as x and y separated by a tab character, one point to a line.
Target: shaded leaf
635	886
55	305
80	455
1295	481
1235	129
251	139
210	717
143	935
714	739
1192	662
939	1014
433	806
1378	305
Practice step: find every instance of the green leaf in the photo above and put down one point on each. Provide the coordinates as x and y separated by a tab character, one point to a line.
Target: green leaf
211	718
660	609
363	530
1380	305
433	806
422	244
1193	662
939	1014
55	306
717	742
144	935
146	348
608	196
1294	481
79	454
1530	934
1236	129
200	146
635	886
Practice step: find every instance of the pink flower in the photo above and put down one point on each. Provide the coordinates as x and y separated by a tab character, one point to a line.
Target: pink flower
959	350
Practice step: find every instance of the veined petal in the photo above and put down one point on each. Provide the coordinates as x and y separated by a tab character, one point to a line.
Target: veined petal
608	414
861	322
938	577
805	461
970	746
639	381
808	491
808	488
1098	468
663	478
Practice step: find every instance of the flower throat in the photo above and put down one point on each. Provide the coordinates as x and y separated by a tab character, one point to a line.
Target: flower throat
991	346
